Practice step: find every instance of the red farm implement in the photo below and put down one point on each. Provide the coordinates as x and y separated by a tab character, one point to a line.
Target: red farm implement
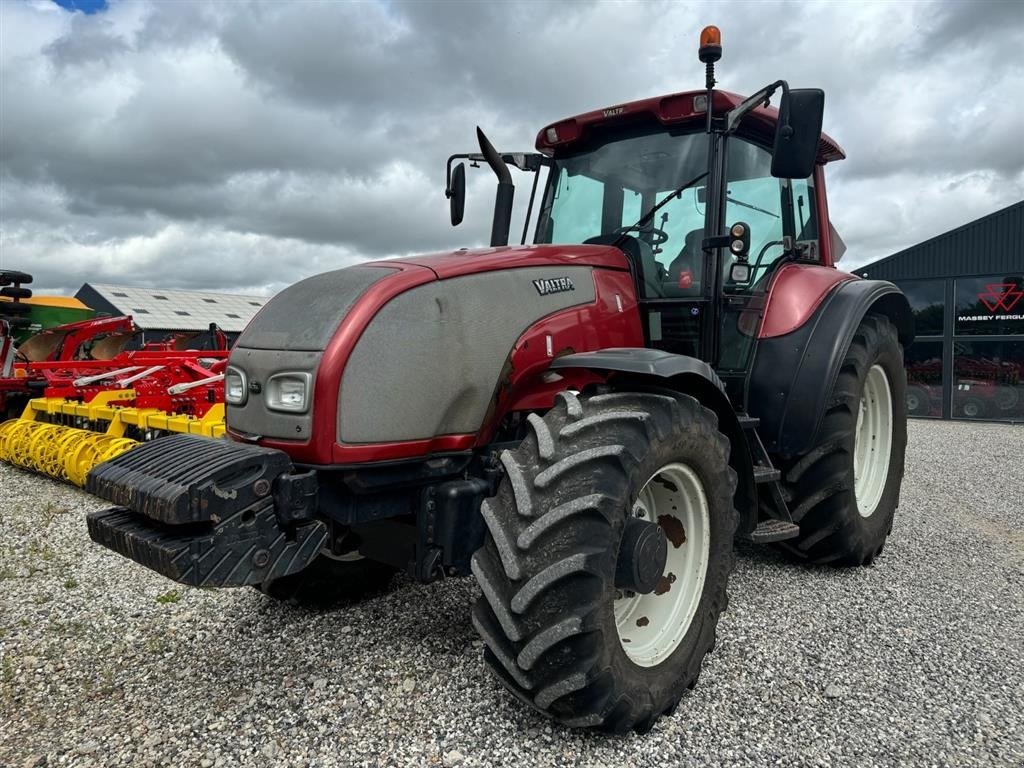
84	398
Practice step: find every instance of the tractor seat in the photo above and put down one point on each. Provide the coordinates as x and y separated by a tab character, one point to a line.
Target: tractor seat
691	259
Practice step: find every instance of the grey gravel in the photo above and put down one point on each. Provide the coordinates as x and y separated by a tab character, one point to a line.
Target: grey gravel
916	660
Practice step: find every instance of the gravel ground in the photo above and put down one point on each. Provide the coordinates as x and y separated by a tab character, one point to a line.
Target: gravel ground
916	660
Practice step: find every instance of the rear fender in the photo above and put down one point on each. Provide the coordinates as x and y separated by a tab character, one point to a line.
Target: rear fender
641	368
793	374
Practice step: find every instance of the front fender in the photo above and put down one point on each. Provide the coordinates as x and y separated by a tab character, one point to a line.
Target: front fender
633	368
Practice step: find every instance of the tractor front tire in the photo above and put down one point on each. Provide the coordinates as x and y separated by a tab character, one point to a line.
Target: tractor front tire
561	630
328	582
844	492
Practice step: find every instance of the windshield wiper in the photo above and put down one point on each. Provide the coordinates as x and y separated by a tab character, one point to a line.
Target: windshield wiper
731	199
649	216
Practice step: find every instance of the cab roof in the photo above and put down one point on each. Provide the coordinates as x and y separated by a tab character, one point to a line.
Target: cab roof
673	109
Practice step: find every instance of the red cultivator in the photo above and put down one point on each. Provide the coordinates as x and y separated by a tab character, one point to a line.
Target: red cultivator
85	399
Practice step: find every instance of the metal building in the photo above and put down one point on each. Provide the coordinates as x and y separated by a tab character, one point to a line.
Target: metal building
160	312
966	288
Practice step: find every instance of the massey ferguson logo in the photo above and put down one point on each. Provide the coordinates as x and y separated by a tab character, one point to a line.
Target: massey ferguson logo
1000	296
550	285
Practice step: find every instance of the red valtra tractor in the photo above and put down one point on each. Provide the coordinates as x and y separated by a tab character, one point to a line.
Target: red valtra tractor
585	423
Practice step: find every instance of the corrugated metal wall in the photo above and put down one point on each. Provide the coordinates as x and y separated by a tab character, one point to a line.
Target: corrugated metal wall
990	245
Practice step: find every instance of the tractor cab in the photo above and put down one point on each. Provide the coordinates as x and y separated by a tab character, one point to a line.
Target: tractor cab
705	207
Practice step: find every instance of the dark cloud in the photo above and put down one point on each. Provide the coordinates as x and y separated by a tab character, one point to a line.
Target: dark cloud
90	42
246	145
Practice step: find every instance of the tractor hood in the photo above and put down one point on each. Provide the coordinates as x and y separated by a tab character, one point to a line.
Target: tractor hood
467	262
401	350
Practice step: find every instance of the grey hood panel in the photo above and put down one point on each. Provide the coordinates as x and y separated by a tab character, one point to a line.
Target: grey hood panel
304	316
428	364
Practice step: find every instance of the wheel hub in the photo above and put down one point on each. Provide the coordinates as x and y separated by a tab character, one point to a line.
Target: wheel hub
642	556
652	623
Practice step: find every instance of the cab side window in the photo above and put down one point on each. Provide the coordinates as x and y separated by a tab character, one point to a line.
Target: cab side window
805	217
586	196
754	196
764	203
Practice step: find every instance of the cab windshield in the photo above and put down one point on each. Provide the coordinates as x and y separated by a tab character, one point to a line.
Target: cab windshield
603	189
591	196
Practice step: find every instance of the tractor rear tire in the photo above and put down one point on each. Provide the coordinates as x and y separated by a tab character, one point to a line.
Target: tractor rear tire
844	492
13	277
558	632
328	582
12	292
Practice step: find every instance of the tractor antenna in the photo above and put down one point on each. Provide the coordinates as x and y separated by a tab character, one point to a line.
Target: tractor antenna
709	52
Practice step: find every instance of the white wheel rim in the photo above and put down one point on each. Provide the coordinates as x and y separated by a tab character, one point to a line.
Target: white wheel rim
872	444
652	626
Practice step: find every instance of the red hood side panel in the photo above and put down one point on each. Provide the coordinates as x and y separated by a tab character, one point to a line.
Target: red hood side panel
468	262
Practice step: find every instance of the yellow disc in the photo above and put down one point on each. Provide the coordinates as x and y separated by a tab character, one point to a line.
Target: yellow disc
38	445
19	447
81	458
6	430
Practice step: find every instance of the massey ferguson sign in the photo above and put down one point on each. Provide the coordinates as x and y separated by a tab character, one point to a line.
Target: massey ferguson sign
1003	302
1001	297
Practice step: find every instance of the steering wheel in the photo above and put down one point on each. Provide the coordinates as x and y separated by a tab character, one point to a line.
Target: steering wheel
660	235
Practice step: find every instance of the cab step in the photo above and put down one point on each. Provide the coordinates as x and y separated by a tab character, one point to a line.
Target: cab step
763	474
748	422
768	531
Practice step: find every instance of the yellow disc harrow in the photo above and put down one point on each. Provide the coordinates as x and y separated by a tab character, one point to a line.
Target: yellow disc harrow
36	443
63	453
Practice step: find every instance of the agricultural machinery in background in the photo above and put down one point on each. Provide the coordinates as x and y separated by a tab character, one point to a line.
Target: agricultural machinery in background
75	395
584	423
13	309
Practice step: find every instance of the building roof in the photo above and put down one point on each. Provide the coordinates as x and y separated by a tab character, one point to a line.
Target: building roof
991	245
159	309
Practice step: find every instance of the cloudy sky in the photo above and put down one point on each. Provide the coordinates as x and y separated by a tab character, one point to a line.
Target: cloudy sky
244	145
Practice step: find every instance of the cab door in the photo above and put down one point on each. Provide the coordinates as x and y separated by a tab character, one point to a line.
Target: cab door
673	289
782	219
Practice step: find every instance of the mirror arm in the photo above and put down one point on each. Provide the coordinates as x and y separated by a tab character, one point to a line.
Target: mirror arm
448	172
524	161
759	99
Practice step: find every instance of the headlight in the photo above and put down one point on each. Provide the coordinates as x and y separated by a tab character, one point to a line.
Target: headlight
235	389
289	392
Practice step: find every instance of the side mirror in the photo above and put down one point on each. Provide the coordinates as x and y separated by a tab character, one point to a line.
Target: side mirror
798	133
456	194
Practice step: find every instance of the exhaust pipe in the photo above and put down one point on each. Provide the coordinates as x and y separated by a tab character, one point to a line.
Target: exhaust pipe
505	194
